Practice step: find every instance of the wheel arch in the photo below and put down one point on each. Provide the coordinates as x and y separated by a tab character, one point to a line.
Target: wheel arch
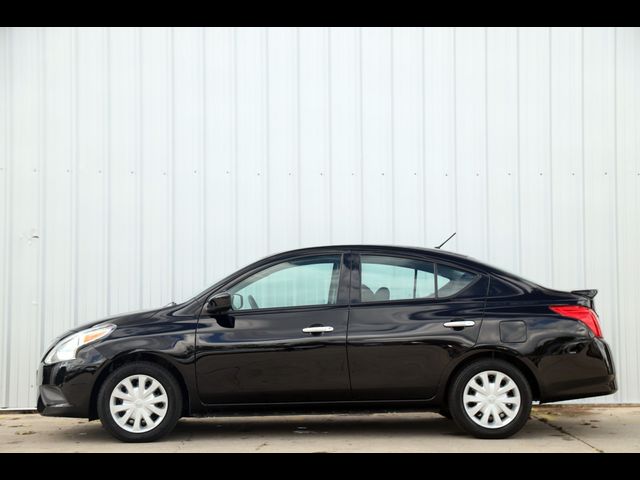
132	357
507	356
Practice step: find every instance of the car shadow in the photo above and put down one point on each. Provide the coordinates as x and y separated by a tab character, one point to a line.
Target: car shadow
343	429
335	425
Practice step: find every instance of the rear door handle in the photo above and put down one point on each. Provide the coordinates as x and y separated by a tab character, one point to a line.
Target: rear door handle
460	324
318	329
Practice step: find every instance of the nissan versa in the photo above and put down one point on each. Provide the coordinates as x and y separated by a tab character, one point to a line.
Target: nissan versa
337	328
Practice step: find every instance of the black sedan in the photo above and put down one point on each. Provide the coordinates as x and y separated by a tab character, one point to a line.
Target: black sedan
337	328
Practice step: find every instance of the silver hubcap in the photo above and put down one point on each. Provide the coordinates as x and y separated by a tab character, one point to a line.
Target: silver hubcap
491	399
138	403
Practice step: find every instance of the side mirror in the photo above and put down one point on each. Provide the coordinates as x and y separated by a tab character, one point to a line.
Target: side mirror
219	303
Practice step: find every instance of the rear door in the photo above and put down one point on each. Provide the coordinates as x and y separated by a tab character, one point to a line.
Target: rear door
409	318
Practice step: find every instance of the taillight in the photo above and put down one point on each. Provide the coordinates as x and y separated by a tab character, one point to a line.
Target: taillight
578	312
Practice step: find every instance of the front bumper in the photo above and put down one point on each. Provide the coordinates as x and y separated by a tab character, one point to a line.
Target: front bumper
65	389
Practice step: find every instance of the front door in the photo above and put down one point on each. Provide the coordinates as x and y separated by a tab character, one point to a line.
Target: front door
401	335
284	339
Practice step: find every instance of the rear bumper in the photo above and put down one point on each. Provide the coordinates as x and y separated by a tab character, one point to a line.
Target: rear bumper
585	370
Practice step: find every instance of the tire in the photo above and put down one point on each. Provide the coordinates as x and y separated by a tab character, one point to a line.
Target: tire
479	418
156	412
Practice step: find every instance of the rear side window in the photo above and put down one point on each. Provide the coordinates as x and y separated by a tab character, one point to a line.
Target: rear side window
452	280
394	278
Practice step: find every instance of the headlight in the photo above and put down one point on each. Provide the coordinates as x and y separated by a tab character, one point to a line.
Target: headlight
66	348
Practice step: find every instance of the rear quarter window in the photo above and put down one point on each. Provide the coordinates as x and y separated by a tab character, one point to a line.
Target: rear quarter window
500	288
451	280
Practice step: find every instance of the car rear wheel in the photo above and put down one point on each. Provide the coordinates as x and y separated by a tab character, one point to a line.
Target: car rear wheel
139	402
490	399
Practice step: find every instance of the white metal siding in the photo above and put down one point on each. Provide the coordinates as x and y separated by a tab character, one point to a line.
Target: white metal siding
137	166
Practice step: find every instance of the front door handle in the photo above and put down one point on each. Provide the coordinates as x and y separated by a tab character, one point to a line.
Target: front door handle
317	329
460	324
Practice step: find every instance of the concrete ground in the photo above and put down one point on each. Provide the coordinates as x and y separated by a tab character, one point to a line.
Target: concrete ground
562	428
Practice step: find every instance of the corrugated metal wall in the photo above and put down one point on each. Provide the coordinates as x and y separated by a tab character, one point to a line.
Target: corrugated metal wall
137	166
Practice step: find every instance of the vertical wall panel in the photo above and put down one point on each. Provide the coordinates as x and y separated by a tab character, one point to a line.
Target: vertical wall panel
155	168
567	158
627	155
56	233
600	172
188	161
220	134
408	145
5	234
315	133
534	101
502	148
252	144
138	166
124	163
440	203
283	138
83	245
471	141
377	135
25	149
345	106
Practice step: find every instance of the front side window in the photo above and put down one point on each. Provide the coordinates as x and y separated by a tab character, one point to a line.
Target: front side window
393	278
294	283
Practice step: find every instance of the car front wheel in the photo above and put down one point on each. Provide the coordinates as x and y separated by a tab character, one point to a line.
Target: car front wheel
490	399
139	402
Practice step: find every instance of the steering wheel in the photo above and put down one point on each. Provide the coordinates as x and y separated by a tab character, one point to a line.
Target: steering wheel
252	302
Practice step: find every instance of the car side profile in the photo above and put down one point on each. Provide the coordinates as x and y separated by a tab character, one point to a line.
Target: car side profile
336	328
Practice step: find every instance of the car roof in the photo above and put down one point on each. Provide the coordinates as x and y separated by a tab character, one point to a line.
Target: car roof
400	249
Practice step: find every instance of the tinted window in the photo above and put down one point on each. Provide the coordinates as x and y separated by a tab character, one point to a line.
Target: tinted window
499	288
451	280
394	278
305	281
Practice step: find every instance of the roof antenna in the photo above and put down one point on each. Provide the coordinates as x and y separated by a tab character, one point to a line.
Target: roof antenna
452	235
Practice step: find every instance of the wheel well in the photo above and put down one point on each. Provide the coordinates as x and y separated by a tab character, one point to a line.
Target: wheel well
138	356
516	362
